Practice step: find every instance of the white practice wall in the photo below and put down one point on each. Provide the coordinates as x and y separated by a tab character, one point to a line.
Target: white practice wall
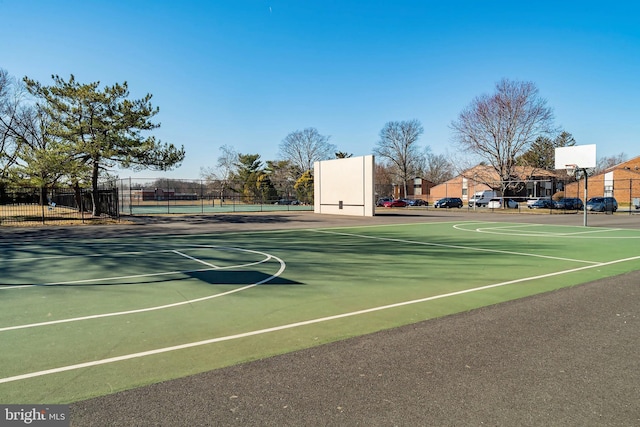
345	186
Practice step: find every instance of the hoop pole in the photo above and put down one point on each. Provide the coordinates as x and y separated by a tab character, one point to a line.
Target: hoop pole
575	170
584	214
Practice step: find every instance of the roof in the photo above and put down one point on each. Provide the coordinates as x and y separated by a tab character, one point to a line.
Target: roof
488	173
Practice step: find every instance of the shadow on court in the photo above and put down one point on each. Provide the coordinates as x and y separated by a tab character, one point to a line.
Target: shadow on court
210	277
239	278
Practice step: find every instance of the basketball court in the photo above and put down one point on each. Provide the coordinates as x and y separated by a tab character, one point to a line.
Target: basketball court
84	317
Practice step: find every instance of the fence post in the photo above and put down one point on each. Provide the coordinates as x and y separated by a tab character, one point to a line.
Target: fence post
81	207
166	186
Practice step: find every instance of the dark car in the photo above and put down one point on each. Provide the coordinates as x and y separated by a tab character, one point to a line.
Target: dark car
417	202
448	202
602	204
282	202
541	204
569	203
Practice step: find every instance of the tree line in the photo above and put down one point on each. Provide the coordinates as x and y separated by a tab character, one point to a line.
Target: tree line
506	129
75	134
399	158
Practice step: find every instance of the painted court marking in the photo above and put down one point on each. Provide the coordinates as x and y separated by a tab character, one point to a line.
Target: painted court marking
138	276
470	248
165	306
294	325
515	230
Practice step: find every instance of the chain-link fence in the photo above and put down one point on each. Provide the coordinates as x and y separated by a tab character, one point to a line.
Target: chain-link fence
31	205
179	196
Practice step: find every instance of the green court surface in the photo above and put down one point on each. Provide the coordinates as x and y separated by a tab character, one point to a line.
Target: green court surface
87	317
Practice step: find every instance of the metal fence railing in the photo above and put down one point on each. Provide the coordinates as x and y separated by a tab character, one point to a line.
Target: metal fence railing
31	205
177	196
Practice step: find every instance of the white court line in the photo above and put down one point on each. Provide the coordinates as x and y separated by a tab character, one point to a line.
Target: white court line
509	227
49	257
294	325
162	307
194	259
577	234
162	273
471	248
515	230
593	231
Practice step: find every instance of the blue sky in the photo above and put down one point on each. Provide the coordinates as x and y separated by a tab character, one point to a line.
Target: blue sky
246	73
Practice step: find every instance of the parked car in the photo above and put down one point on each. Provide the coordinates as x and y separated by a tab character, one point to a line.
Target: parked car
602	204
541	204
482	198
283	202
448	202
496	203
532	200
381	201
569	203
417	202
398	203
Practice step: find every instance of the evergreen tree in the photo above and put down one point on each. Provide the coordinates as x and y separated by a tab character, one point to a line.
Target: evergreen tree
249	169
304	188
103	128
541	154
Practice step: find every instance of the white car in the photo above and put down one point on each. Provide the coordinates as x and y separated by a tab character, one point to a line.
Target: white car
494	204
497	204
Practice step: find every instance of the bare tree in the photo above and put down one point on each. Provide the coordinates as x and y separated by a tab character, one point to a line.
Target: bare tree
500	127
44	159
384	180
397	146
282	176
438	168
226	168
304	147
607	162
10	107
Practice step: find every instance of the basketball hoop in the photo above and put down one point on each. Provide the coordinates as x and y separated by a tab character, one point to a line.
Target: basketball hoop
571	169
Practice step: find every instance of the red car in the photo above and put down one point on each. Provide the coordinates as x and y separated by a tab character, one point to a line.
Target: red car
394	203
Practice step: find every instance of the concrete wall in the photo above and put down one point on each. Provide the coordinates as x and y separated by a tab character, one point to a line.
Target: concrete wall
345	186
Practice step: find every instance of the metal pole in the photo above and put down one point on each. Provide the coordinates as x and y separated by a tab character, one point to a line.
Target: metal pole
475	202
584	171
630	201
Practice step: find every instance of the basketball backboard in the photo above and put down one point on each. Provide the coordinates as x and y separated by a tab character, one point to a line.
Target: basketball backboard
582	156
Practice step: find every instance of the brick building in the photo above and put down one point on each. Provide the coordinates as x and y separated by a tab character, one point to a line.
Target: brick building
621	181
417	188
528	182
